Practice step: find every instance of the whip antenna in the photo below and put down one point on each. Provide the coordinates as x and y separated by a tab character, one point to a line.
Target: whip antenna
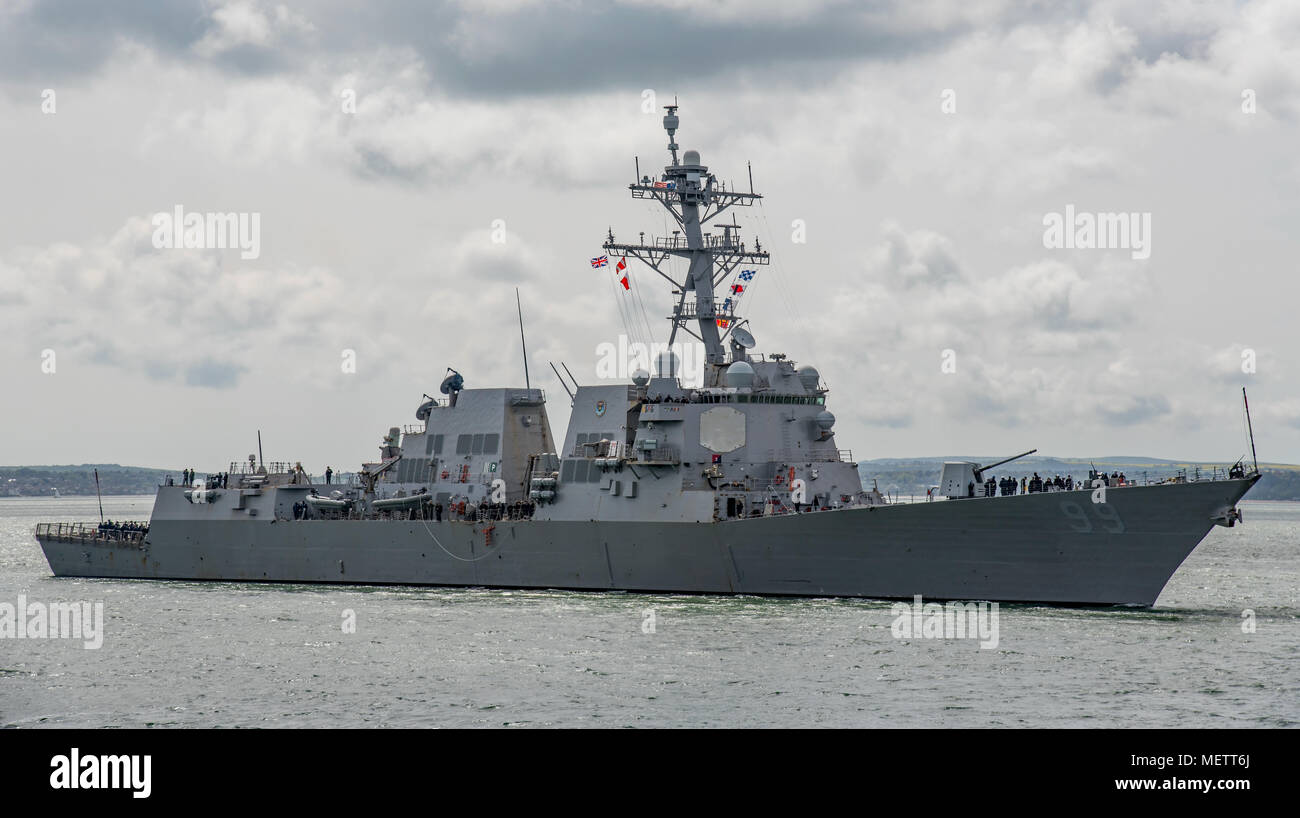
1253	458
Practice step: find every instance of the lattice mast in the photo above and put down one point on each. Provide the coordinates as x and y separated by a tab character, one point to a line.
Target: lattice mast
694	197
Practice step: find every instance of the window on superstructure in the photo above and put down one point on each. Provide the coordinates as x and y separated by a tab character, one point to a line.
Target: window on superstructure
490	443
463	443
477	445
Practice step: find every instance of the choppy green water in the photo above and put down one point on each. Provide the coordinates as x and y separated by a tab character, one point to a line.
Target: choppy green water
241	655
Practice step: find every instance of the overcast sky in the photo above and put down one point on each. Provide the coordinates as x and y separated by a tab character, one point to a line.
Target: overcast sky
924	226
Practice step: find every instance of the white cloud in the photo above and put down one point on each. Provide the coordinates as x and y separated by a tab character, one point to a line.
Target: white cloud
240	23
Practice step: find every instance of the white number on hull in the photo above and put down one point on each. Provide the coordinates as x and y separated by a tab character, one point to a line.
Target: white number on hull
1079	520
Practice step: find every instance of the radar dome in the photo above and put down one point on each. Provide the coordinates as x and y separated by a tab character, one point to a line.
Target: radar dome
825	420
740	375
691	158
640	377
809	377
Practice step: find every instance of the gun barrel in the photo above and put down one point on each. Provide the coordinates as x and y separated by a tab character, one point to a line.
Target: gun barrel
1008	460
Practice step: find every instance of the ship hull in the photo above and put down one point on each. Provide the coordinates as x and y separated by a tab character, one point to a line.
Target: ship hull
1053	548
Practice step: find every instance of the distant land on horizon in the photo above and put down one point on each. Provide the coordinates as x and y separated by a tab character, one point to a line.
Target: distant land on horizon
893	475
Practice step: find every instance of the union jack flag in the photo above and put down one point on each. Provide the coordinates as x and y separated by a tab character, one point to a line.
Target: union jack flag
746	275
600	261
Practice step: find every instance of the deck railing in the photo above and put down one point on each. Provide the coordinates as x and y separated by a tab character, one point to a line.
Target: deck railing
93	533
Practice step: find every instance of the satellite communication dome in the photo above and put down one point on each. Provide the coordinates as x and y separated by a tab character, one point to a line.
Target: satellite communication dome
640	377
691	158
825	420
809	377
740	375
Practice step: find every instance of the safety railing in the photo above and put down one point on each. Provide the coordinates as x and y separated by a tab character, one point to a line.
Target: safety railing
657	455
121	534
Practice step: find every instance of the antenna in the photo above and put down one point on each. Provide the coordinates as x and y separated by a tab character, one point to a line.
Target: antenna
566	369
260	462
1252	430
562	383
527	383
637	159
97	496
750	165
670	125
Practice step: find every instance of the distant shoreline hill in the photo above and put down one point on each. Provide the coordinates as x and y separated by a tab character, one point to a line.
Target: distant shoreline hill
46	481
912	476
897	476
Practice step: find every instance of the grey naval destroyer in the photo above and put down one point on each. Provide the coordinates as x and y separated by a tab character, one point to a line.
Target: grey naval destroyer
736	486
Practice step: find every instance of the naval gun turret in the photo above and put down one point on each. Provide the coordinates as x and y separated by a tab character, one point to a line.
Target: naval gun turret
962	478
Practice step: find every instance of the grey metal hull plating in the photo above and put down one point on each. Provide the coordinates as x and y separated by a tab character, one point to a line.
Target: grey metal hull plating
1053	547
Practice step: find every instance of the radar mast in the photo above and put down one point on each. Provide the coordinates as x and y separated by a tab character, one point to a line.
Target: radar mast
694	196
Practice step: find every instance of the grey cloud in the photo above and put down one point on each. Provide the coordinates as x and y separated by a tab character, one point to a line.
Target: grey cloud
159	370
214	374
1136	409
543	49
54	39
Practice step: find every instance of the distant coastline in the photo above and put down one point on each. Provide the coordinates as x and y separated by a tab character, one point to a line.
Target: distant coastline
899	476
68	481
